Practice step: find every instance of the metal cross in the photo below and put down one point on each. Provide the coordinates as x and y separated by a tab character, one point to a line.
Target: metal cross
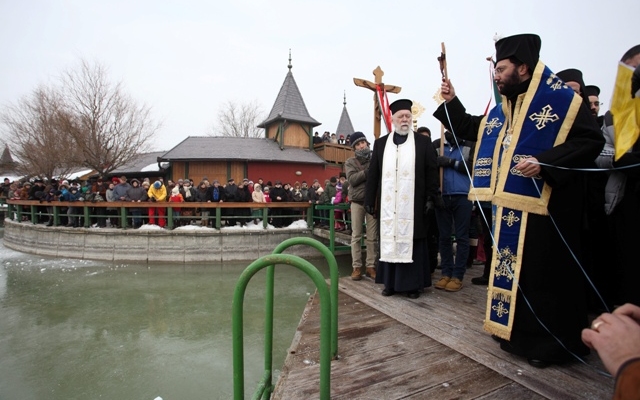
543	117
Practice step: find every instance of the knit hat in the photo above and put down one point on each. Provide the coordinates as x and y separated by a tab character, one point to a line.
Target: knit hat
358	137
157	184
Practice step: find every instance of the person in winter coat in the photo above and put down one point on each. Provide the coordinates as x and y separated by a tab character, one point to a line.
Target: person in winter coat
278	195
135	194
258	197
201	197
188	193
176	197
71	195
157	193
243	196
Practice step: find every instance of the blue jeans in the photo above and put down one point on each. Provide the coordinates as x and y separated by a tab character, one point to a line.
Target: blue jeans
456	213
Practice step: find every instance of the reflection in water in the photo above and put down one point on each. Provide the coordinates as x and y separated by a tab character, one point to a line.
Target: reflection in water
73	329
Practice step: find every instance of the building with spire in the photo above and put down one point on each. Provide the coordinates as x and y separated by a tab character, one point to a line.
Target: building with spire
289	122
345	127
286	152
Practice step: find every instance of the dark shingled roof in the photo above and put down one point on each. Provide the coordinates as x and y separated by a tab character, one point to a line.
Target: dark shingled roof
289	105
238	149
138	163
6	156
345	127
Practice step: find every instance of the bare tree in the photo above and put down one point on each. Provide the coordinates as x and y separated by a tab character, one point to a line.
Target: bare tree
35	130
239	120
108	127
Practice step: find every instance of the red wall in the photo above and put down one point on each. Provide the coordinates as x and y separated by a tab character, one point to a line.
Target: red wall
286	172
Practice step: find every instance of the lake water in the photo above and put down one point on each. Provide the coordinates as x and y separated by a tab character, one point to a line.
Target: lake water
74	329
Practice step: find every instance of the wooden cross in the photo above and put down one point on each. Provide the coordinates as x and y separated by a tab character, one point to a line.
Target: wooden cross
376	106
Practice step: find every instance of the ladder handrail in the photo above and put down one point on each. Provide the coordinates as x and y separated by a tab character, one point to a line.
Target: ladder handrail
325	321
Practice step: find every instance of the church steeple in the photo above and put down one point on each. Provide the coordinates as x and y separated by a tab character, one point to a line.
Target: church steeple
345	127
289	104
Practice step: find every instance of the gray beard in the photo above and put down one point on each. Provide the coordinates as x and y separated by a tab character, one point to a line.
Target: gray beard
397	130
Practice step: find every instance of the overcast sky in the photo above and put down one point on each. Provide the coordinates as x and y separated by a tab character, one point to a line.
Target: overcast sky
186	58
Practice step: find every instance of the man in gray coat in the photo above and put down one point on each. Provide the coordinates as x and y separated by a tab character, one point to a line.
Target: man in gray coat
356	170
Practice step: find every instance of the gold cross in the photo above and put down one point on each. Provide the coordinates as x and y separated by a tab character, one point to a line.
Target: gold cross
492	124
544	116
500	309
510	219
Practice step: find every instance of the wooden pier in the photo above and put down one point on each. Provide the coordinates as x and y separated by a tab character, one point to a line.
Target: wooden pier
430	348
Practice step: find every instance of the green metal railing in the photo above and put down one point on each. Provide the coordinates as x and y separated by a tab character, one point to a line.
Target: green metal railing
331	219
88	211
328	315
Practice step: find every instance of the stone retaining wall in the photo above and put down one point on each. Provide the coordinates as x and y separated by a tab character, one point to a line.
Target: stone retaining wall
181	246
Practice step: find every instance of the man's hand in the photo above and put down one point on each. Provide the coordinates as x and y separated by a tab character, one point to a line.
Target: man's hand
446	90
369	210
446	162
616	338
529	167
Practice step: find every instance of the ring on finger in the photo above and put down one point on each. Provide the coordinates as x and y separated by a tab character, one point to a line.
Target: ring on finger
596	325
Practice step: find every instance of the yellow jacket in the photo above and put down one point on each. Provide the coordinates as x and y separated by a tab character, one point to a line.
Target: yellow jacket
158	194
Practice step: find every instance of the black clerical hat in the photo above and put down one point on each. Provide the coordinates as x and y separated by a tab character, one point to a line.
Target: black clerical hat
572	75
402	104
524	47
592	90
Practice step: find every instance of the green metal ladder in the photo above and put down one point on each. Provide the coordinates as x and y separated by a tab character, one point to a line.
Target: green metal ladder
328	315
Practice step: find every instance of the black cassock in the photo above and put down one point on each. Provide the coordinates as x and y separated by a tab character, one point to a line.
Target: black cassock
550	279
404	277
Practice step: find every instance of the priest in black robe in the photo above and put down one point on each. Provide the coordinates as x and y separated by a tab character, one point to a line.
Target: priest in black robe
550	307
402	181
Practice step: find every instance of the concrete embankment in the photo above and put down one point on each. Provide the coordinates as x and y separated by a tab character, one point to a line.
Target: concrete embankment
153	245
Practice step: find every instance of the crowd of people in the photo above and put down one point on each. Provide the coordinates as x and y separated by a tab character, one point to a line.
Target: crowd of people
181	191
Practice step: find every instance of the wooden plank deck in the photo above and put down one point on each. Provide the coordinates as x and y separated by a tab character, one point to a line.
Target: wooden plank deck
430	348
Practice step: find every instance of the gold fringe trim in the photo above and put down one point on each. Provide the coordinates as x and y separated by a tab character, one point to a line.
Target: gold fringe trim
498	330
500	295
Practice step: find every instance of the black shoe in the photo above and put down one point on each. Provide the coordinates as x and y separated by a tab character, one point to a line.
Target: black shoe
480	280
414	294
50	223
388	292
538	363
498	339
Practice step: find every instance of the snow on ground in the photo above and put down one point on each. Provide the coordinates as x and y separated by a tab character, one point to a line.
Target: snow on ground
250	226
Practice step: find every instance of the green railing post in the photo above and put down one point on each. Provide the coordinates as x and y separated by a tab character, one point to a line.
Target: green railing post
11	209
310	217
170	217
333	275
123	217
218	217
56	215
32	209
87	219
325	319
332	232
265	217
